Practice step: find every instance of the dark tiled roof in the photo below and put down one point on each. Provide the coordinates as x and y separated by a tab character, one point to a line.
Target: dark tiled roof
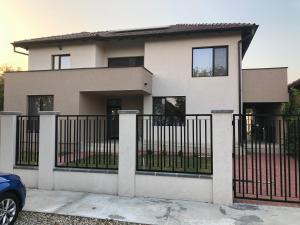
178	28
247	29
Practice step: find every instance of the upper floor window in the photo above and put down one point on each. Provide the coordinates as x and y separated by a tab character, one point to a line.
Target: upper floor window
210	61
60	62
126	61
171	110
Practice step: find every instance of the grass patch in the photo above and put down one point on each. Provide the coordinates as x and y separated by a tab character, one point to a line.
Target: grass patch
27	158
179	163
148	162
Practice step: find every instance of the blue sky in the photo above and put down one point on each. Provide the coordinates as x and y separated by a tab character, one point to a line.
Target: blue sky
276	42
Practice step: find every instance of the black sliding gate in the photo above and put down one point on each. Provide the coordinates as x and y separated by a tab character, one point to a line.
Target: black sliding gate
266	157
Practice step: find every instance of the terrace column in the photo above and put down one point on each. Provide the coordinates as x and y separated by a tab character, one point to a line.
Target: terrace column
8	134
222	156
47	149
127	152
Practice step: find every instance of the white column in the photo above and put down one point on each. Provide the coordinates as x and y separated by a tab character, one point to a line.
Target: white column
127	152
222	156
47	150
8	134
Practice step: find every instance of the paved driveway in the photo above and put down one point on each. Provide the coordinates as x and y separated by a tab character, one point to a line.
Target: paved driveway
157	211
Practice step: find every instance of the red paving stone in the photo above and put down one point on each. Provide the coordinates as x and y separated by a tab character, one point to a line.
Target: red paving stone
258	202
267	176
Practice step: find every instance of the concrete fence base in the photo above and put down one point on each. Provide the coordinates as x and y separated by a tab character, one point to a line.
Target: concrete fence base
125	181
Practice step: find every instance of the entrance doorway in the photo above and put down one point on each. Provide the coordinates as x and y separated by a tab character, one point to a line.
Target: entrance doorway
113	106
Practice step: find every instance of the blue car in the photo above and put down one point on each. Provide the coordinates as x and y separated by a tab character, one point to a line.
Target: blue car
12	198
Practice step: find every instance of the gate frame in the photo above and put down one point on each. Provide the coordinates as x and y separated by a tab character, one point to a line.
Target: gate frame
242	117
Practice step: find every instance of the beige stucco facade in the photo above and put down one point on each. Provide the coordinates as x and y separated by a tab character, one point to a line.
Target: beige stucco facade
84	55
85	91
80	90
170	61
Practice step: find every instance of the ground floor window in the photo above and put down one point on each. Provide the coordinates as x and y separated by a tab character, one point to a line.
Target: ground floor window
38	103
170	109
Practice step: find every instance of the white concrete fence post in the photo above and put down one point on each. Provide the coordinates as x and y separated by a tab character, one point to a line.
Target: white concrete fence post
47	150
127	152
8	134
222	156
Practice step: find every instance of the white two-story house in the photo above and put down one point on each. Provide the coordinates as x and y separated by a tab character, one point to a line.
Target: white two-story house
177	69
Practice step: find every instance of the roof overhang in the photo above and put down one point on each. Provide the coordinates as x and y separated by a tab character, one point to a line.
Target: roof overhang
247	33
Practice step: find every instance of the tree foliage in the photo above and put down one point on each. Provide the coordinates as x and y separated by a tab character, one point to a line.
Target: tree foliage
291	110
292	107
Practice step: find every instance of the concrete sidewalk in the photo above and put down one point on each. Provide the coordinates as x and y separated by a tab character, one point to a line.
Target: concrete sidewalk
157	211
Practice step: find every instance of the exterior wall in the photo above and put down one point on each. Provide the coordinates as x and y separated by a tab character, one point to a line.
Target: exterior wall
96	103
29	176
265	85
87	182
170	60
183	188
82	56
118	49
66	86
92	104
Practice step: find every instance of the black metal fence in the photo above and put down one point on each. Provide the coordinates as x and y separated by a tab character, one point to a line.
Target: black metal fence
172	144
87	141
27	141
266	151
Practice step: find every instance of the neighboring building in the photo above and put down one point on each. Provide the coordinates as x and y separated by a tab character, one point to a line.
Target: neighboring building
178	69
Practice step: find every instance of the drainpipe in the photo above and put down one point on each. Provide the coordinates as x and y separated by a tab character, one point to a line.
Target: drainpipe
22	53
240	42
240	75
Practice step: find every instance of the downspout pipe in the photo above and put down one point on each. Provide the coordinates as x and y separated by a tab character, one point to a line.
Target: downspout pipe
240	75
240	57
22	53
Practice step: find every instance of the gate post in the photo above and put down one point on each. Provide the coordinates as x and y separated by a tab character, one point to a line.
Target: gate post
222	156
127	152
47	149
8	134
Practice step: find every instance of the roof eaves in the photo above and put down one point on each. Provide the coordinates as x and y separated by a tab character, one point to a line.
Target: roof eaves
111	35
248	38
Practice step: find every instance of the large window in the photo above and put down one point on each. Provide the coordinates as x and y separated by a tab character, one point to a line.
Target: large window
126	61
38	103
208	62
60	62
170	109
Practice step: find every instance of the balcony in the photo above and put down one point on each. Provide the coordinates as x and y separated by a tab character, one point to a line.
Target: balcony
129	80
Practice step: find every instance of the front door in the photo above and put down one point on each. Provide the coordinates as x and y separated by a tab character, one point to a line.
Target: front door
113	106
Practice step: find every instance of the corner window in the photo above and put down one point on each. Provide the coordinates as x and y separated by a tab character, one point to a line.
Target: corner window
38	103
126	61
171	110
60	62
209	62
